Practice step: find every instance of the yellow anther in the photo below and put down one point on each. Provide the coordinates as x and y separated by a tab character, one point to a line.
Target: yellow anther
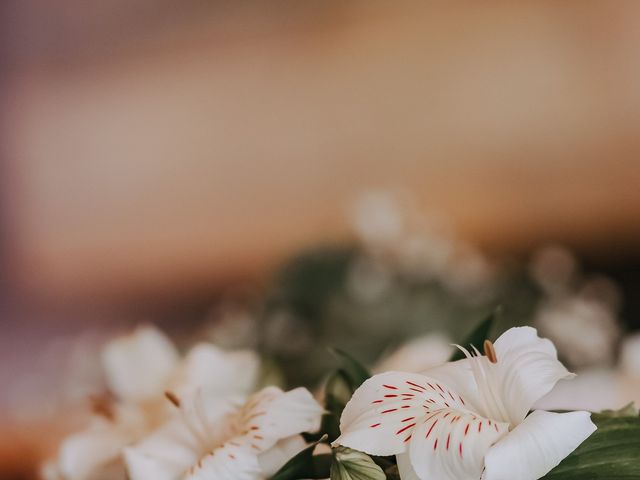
490	352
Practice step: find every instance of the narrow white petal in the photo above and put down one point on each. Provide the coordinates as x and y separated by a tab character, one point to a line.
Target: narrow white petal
527	369
537	445
211	436
165	454
271	415
86	453
375	413
451	445
141	466
225	373
382	414
459	376
274	459
405	469
209	418
138	366
230	462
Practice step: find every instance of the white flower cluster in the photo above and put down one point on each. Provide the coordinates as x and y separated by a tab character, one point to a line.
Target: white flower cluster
199	418
190	418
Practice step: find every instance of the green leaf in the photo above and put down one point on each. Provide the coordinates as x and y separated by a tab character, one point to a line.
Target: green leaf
355	372
305	465
339	389
351	464
629	410
611	453
387	464
337	393
479	334
392	472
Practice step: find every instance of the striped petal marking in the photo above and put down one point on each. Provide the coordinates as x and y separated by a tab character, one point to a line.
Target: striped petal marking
396	412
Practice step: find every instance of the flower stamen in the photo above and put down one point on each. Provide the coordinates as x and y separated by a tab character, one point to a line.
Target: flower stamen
490	352
103	405
173	398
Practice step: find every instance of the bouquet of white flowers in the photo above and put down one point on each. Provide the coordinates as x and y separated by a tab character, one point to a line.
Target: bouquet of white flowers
208	416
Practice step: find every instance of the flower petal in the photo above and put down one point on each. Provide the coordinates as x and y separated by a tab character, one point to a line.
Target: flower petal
210	419
273	459
459	376
527	369
537	445
405	469
165	454
592	390
271	415
225	373
142	466
138	366
451	445
380	417
86	453
230	462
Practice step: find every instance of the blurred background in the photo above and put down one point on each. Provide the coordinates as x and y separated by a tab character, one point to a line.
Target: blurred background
311	171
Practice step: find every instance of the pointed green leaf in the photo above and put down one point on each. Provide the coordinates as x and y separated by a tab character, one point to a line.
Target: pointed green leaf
354	370
339	389
629	410
351	464
305	465
392	472
611	453
337	393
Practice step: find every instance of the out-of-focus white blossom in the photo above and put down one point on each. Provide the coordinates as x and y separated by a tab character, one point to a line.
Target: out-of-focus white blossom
139	368
225	440
469	274
426	253
232	327
554	268
603	290
378	219
630	367
417	355
585	331
400	242
592	390
601	389
630	356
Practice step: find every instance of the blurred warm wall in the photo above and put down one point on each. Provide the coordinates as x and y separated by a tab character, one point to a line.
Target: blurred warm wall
154	147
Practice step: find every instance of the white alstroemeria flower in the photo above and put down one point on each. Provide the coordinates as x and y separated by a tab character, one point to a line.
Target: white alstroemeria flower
139	368
213	439
469	419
